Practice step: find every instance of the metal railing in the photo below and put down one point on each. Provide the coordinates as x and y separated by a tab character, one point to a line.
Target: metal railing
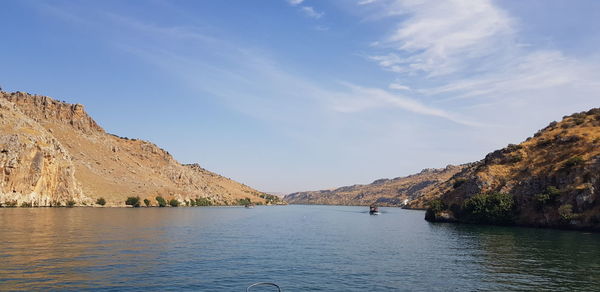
263	284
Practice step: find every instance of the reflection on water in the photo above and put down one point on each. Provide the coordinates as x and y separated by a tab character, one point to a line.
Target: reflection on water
299	247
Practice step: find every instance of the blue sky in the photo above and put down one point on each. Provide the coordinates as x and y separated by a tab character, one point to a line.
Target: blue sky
298	95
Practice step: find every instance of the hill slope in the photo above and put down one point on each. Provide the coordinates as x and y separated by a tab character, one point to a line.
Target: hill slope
52	151
549	180
384	192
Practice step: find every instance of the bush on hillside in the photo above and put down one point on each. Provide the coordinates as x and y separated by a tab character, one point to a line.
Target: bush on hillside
433	208
174	203
490	208
549	197
70	203
26	205
10	204
203	202
459	182
515	158
575	160
133	201
270	199
147	202
101	201
161	201
436	205
245	201
565	212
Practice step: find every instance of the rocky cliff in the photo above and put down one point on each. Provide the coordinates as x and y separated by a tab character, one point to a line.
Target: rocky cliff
549	180
412	190
52	152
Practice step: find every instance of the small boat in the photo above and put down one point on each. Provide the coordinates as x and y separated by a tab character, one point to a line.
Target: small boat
249	205
373	210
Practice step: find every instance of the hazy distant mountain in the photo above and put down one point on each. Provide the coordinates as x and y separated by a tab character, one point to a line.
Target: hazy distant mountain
52	152
384	192
550	180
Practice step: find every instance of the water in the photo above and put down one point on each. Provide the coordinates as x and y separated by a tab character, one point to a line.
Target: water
302	248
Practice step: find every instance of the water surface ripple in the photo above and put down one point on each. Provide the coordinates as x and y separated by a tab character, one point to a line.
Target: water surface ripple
302	248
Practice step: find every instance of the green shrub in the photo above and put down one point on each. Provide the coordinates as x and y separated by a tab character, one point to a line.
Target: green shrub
459	182
553	192
193	202
70	203
541	200
101	201
10	204
565	212
147	202
515	158
161	201
543	143
433	208
203	202
245	201
575	160
174	203
491	208
550	196
133	201
436	205
270	199
26	205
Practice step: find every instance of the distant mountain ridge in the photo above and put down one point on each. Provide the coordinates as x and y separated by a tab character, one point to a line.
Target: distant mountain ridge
398	191
52	152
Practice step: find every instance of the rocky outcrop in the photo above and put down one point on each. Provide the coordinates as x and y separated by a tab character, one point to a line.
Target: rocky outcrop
410	191
43	109
54	152
552	180
35	169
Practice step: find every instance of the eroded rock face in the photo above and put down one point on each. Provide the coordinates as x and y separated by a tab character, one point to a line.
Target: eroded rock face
35	168
54	151
43	108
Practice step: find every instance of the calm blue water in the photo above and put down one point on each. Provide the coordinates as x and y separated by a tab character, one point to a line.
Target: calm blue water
302	248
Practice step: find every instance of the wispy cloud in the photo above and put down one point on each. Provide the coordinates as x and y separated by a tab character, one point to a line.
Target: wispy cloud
365	2
398	86
471	53
362	98
438	38
311	12
306	10
295	2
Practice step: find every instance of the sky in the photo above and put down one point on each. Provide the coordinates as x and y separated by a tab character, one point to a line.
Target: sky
294	95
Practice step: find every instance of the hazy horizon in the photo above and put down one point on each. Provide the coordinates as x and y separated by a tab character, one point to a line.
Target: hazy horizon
299	95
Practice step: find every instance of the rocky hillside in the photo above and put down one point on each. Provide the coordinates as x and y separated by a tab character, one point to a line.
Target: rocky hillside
549	180
52	152
384	192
